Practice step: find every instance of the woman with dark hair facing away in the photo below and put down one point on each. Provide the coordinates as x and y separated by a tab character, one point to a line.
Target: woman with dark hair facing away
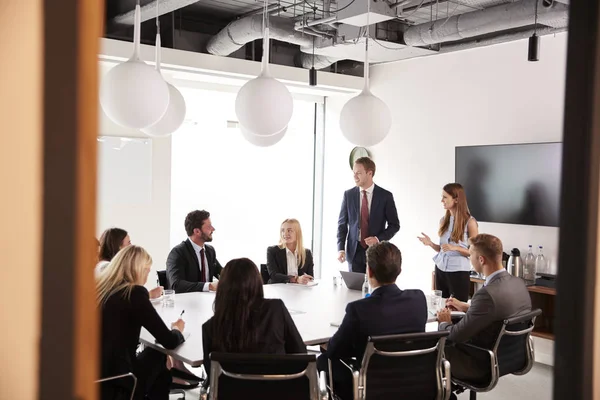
111	241
246	322
125	308
452	272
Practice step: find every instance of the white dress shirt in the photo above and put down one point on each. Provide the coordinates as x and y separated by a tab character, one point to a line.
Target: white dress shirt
206	271
292	262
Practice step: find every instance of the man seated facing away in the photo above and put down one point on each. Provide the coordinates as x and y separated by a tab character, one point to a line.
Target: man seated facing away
503	296
192	264
387	311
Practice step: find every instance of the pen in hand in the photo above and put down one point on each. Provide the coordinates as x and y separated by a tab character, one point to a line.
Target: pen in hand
181	315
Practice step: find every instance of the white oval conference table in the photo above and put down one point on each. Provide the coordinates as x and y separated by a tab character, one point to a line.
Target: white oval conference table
317	311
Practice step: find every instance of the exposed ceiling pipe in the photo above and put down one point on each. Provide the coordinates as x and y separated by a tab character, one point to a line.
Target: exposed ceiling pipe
260	11
235	35
306	60
148	11
482	22
502	38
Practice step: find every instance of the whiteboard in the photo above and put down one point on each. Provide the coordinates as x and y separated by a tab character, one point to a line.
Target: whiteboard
124	171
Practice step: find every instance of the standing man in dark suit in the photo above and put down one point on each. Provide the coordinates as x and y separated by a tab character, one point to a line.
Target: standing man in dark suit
503	296
387	311
192	264
365	211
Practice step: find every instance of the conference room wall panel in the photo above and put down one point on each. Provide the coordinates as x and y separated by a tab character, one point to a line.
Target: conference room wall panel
490	95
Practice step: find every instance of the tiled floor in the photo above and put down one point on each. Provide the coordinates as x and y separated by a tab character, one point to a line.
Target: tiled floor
536	385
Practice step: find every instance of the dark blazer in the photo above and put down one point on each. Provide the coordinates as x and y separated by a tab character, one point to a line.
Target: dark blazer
383	210
276	331
183	270
122	321
505	296
387	311
277	265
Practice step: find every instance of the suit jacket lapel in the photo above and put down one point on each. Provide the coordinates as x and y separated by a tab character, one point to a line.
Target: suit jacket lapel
356	199
375	201
192	256
282	255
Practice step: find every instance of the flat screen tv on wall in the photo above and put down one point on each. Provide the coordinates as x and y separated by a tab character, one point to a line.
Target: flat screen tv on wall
514	184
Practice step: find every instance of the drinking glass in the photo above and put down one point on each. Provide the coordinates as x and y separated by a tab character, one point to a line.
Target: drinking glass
436	300
169	298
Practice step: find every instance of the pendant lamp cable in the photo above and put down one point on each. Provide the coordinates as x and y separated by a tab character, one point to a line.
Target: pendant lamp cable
158	42
366	66
536	17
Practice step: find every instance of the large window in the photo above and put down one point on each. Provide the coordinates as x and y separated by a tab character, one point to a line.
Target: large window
248	190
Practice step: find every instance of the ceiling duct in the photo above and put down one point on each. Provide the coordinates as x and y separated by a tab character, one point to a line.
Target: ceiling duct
245	30
481	22
148	11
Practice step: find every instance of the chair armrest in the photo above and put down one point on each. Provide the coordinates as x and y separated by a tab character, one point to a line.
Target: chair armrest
349	366
323	394
129	374
447	381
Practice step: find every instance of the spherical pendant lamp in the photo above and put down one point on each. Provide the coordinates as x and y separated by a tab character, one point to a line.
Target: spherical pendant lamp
264	105
365	120
176	110
133	94
262	141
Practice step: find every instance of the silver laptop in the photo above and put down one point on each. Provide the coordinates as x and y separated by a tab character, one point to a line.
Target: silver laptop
353	280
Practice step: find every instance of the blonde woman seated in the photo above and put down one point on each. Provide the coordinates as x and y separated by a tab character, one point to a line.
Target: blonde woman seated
290	262
125	308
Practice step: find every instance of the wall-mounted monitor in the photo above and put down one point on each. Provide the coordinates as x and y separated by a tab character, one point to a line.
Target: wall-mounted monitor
515	184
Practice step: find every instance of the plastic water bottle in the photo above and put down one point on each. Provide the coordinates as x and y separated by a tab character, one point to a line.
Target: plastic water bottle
366	290
529	273
541	266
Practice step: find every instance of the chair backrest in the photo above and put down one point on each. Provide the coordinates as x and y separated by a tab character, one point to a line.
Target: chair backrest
407	366
263	376
514	348
162	279
264	273
117	391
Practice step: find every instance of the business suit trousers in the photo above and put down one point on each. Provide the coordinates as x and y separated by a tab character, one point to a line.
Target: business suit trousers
453	283
342	377
359	262
466	366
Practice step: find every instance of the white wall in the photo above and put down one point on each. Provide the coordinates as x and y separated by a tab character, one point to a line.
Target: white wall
148	223
489	95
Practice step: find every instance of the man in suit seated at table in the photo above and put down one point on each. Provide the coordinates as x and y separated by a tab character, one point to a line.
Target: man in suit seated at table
192	264
502	296
389	310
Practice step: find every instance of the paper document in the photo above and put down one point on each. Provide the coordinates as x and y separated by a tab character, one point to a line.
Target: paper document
309	284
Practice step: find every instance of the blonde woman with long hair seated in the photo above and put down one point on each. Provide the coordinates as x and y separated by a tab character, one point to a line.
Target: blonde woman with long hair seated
126	308
290	262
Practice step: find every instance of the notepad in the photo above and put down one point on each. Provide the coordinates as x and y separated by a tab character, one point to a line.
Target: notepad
309	284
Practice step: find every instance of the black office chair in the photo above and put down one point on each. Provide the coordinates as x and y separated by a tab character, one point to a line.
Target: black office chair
265	376
117	377
512	353
402	367
162	279
264	273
